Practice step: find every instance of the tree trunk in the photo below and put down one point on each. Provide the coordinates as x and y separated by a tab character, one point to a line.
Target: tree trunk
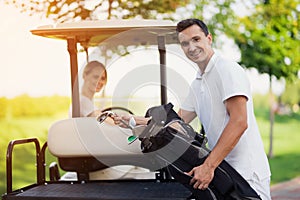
272	115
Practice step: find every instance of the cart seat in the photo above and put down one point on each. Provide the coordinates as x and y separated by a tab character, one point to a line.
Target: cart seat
83	145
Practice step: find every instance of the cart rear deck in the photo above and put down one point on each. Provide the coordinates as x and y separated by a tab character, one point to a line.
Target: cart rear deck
112	190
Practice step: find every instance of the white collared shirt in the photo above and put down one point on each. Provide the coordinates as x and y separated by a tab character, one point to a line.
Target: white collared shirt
86	107
221	80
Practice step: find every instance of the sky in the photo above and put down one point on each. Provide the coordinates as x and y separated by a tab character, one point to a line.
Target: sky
38	66
30	64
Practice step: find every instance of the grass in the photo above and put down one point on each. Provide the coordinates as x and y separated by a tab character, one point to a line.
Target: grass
284	165
24	169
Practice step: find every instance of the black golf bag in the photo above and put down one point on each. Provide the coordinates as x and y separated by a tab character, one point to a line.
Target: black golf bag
178	148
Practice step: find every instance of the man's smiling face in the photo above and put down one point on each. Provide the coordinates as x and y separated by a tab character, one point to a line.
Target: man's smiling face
196	45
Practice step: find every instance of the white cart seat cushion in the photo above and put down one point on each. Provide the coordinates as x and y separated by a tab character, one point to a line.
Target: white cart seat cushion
87	137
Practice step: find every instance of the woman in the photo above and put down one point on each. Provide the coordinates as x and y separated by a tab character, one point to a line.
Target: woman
94	79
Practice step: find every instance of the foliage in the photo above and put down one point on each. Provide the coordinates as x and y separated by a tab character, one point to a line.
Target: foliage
3	107
291	95
213	12
25	105
261	101
70	10
269	38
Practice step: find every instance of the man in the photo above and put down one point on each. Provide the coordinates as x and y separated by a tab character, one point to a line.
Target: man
221	98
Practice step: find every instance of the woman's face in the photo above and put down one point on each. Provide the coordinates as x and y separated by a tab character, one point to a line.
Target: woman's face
101	81
96	79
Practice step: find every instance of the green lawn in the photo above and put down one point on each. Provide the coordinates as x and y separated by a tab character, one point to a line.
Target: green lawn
24	169
284	165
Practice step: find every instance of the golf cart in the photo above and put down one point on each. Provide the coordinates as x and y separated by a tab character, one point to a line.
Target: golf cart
83	145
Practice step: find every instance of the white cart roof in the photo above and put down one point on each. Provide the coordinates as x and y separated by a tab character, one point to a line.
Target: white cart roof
91	33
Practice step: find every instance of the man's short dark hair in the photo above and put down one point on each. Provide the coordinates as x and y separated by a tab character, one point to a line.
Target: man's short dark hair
182	25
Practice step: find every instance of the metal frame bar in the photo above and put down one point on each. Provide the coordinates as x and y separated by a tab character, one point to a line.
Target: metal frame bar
9	152
43	163
163	71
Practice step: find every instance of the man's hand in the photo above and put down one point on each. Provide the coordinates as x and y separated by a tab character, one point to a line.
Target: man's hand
202	176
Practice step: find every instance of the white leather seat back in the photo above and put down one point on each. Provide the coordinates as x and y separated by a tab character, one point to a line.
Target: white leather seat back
87	137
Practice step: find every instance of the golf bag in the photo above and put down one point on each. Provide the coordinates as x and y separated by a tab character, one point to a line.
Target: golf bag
178	148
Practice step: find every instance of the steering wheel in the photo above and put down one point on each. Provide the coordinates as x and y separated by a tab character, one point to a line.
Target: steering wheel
107	112
117	108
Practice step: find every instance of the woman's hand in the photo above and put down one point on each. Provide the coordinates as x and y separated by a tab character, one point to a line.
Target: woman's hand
122	120
131	120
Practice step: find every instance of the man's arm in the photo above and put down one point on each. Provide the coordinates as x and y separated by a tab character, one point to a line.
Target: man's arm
187	116
237	124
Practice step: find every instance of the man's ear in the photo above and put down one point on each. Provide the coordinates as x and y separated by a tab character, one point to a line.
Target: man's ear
209	37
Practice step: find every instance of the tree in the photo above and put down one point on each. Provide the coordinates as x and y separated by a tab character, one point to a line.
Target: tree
269	41
269	38
75	10
216	14
291	95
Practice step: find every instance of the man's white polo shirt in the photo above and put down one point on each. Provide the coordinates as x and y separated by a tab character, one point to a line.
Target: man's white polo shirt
221	80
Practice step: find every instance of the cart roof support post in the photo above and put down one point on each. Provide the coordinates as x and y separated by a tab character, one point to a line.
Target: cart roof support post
72	49
163	71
